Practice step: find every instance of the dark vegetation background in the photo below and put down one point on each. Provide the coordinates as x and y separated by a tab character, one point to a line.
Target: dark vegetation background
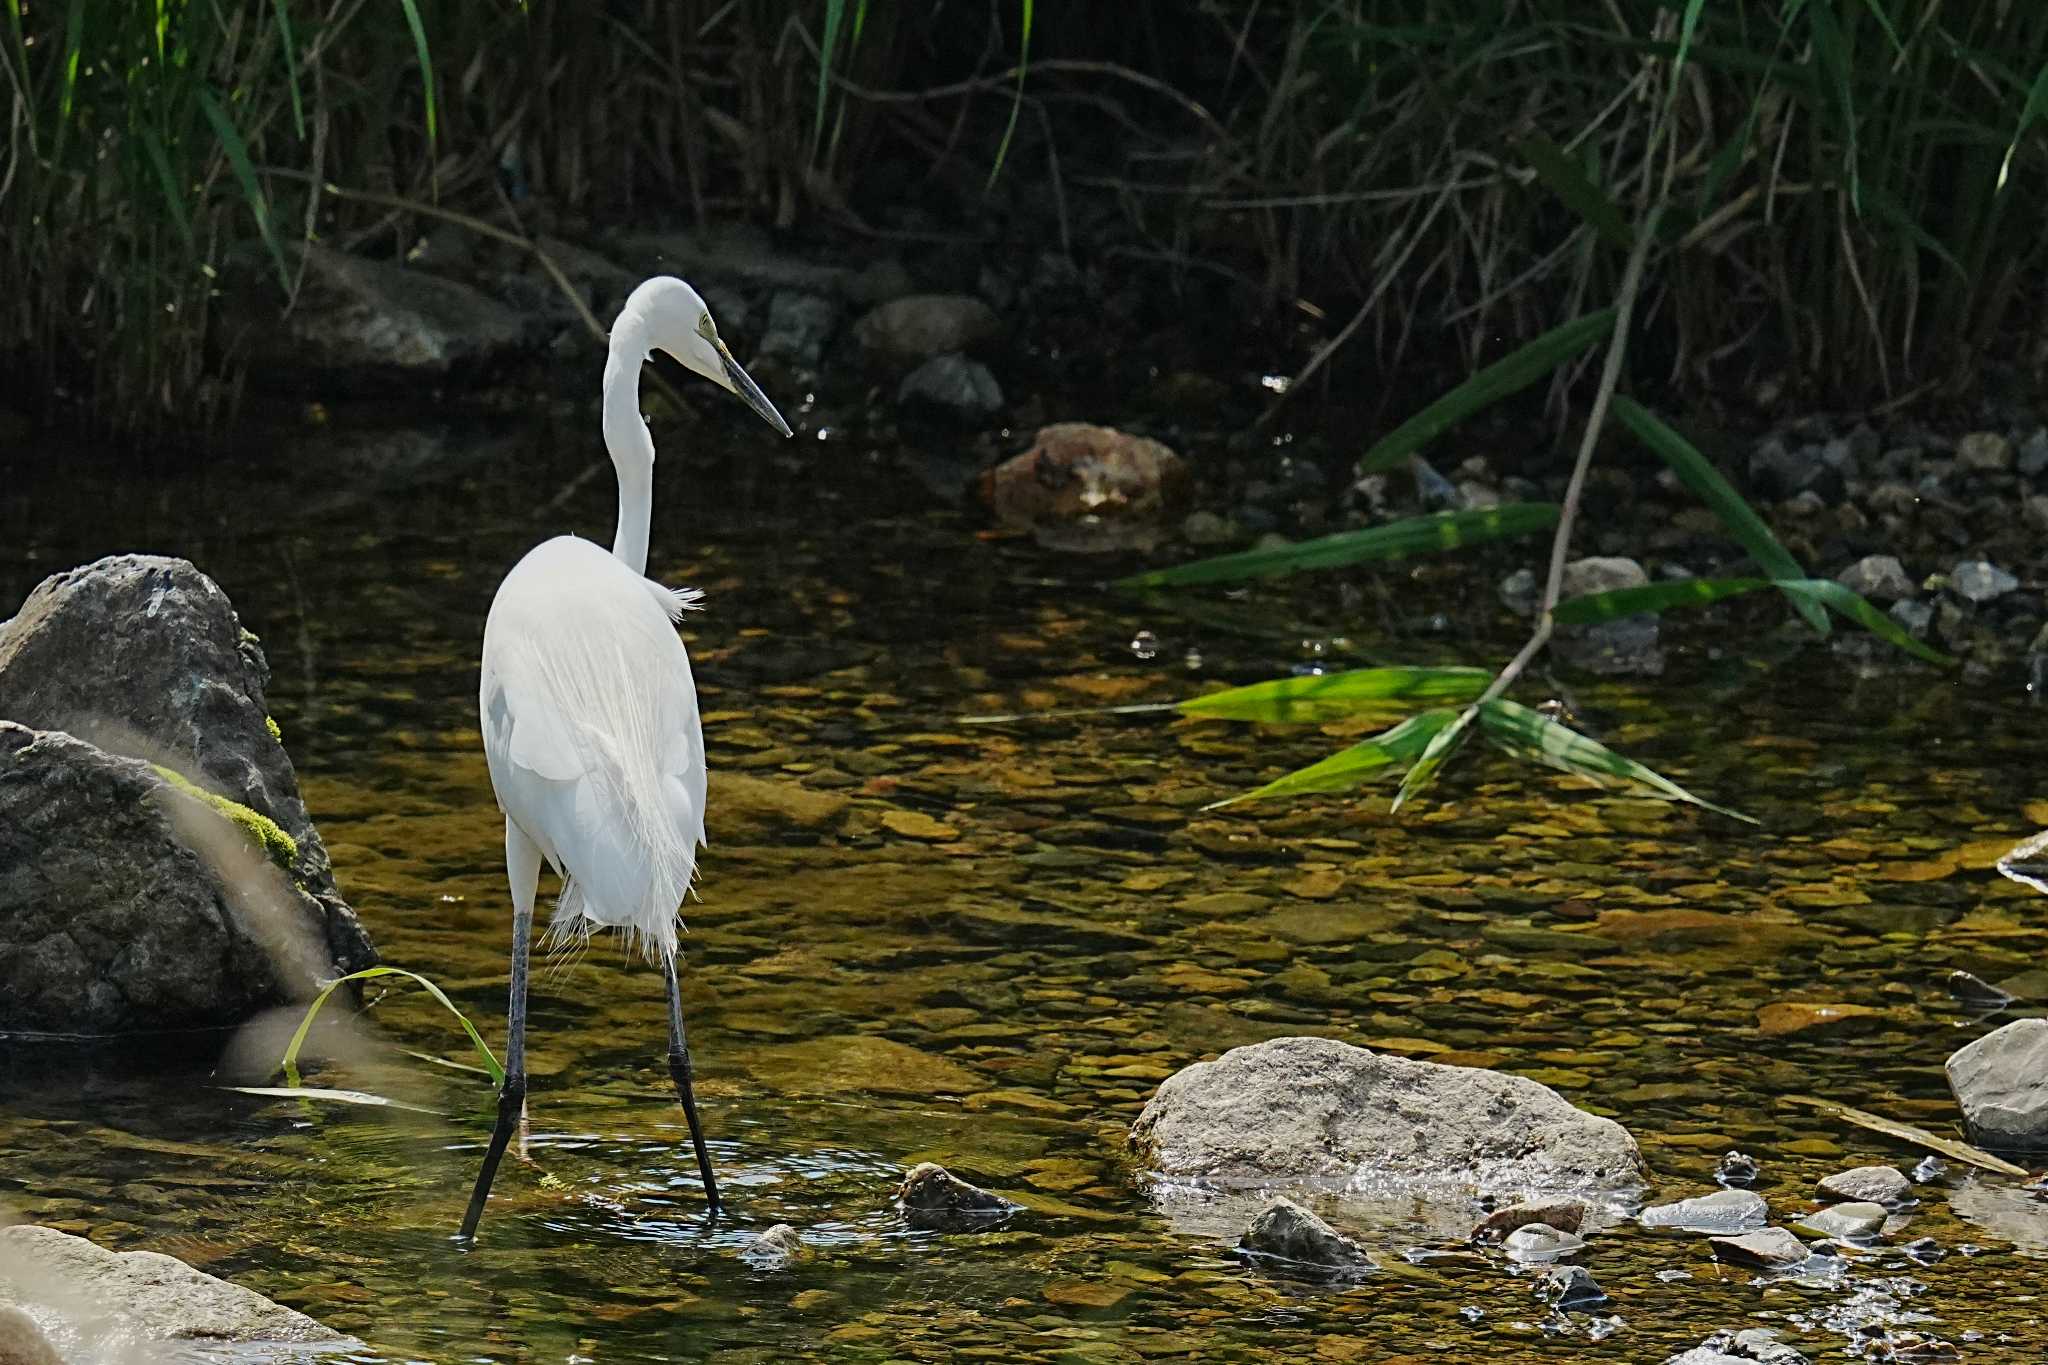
1384	189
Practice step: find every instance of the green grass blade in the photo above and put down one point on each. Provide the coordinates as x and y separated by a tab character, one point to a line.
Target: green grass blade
1569	182
245	175
1709	487
283	10
1827	592
1653	597
1016	101
2036	105
291	1052
1360	763
1686	28
1508	375
174	199
828	48
74	46
1328	696
1442	745
1533	736
426	58
1831	50
1396	540
312	1092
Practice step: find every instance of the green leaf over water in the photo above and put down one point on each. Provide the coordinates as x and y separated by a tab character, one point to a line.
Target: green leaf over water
1706	483
1694	592
1508	375
1396	540
1441	746
1533	736
1327	696
1360	763
291	1052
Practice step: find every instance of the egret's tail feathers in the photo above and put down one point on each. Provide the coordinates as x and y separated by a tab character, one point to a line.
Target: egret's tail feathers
570	930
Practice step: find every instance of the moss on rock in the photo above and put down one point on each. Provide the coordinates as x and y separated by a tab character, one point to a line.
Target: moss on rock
277	845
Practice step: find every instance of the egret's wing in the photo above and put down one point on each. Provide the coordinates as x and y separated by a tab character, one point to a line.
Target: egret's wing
592	735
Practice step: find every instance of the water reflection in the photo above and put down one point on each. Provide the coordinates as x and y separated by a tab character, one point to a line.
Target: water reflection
986	946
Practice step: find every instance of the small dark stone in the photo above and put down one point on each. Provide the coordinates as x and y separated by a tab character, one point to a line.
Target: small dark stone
933	1197
1975	993
775	1248
1285	1231
1736	1168
1570	1287
952	386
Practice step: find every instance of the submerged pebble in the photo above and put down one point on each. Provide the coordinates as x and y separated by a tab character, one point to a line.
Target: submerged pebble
933	1197
1737	1168
1571	1287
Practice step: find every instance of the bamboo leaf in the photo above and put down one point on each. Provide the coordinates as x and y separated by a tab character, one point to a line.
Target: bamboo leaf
314	1092
1652	597
283	9
1569	182
245	175
426	59
1508	375
2036	105
1709	487
1327	696
291	1052
828	47
1396	540
1830	49
1016	100
1907	1132
1826	592
1358	764
1441	746
1533	736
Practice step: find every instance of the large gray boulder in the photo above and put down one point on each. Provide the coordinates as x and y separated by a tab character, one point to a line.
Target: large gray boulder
1315	1107
2001	1082
93	1304
157	865
374	324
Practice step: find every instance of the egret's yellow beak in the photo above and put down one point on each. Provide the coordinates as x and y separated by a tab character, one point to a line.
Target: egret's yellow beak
743	385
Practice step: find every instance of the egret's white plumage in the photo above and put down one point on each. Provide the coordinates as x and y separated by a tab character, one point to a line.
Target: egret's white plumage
591	731
590	715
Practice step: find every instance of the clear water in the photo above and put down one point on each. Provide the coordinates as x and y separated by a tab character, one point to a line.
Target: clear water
1011	934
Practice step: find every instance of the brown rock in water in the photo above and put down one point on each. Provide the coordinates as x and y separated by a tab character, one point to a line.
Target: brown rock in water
1089	489
934	1197
1285	1231
1566	1215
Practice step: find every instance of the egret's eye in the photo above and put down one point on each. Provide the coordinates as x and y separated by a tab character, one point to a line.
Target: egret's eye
705	329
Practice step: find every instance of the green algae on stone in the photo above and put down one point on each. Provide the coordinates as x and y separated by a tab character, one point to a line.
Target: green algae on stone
268	835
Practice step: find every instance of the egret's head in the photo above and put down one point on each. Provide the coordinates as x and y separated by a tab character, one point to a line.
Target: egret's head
678	322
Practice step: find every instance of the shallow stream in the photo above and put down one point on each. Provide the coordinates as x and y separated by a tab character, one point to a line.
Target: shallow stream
1008	935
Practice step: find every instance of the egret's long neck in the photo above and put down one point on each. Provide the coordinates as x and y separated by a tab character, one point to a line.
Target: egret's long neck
627	438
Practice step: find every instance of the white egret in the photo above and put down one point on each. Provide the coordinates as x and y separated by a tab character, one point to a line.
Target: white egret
590	717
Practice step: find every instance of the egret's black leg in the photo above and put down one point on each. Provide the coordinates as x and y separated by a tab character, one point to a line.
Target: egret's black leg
522	864
679	1071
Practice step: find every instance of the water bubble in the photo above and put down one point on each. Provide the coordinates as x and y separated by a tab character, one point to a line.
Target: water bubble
1277	383
1145	645
1192	659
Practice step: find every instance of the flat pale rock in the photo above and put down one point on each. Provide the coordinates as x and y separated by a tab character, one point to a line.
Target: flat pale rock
1868	1185
1770	1248
1294	1107
2001	1082
1845	1222
91	1299
1724	1211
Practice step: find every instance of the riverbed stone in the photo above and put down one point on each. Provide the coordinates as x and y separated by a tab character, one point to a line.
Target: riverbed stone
1980	581
1770	1248
1986	452
933	1197
1868	1185
764	808
375	325
1881	578
1845	1222
1626	646
23	1341
1736	1169
776	1248
1570	1287
97	1301
131	903
146	797
1089	489
1724	1211
1537	1243
1752	1346
918	327
1303	1106
952	386
799	325
1566	1215
1286	1231
2001	1082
